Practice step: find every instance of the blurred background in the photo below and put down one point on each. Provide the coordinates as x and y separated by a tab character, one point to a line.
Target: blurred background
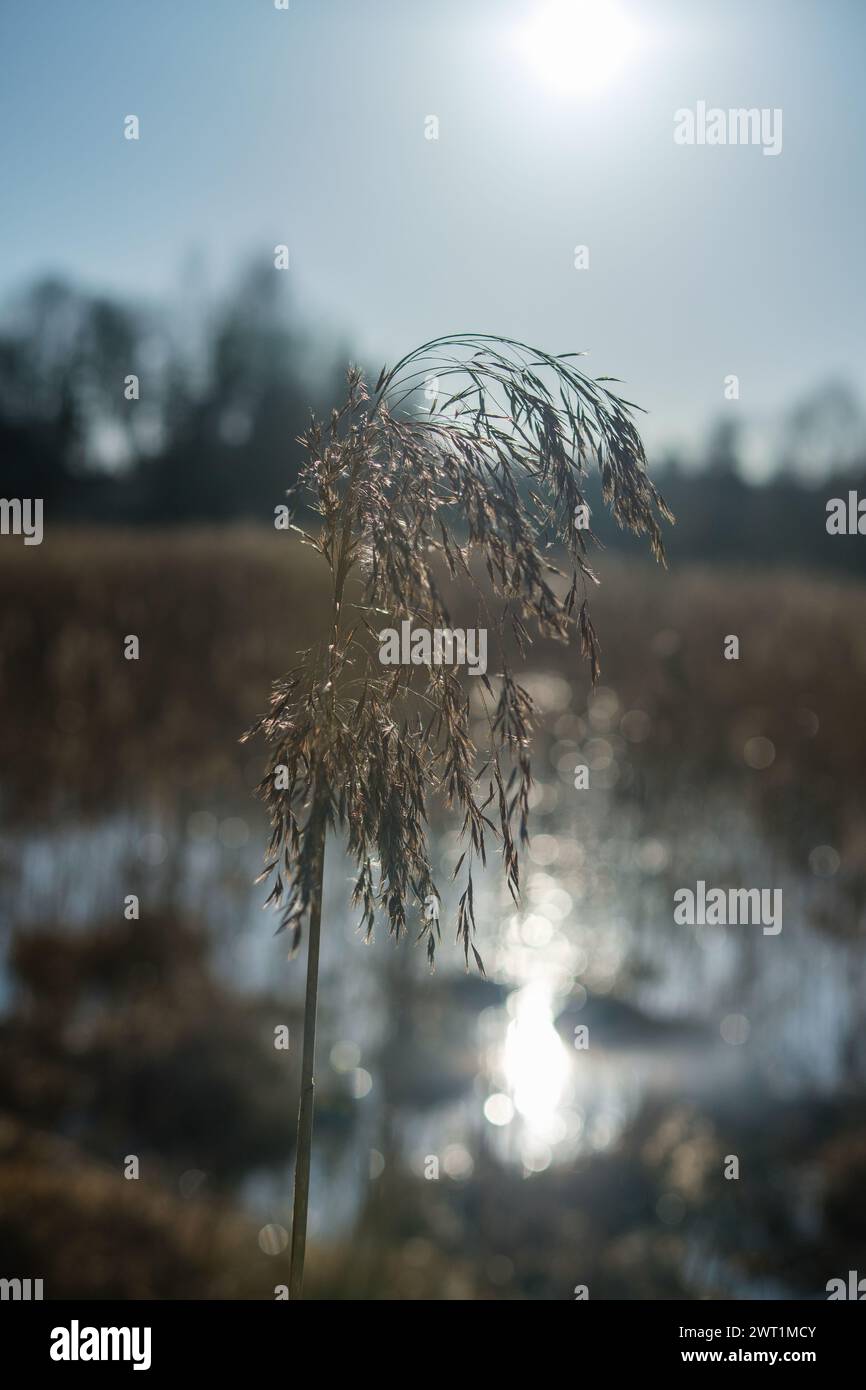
464	1147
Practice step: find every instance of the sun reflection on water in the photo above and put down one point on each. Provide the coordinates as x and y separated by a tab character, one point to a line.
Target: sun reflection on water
536	1069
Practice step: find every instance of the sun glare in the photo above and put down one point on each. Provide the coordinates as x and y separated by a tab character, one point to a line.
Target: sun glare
577	45
536	1063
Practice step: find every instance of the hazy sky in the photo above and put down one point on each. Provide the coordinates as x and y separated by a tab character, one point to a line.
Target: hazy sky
261	127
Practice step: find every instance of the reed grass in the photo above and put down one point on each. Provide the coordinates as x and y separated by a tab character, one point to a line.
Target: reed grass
486	473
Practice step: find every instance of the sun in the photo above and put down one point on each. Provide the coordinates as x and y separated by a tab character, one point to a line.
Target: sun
577	45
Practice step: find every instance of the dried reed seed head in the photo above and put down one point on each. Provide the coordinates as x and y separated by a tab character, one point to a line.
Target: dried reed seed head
491	472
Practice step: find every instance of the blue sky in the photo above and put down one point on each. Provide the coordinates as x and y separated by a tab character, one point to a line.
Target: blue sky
307	127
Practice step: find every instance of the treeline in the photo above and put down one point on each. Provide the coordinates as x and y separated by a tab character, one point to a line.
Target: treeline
118	413
115	413
722	519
